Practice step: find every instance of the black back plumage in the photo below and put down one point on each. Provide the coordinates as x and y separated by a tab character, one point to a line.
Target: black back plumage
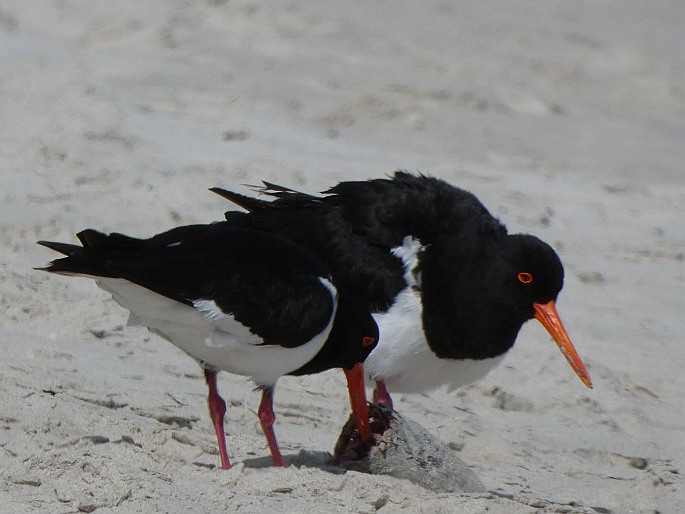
266	282
473	306
371	274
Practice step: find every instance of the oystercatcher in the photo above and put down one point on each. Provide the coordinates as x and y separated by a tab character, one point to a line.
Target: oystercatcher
448	286
243	301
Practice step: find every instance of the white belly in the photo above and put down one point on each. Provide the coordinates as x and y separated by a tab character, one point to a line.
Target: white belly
224	344
405	362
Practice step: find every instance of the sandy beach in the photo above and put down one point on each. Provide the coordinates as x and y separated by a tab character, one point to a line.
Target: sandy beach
567	119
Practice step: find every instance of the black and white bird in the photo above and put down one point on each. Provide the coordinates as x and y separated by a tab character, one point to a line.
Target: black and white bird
448	286
243	301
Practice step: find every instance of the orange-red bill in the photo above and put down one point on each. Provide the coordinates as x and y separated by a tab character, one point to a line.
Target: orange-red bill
546	313
360	408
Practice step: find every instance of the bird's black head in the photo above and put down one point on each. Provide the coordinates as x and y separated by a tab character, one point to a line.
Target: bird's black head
486	292
526	270
534	276
476	299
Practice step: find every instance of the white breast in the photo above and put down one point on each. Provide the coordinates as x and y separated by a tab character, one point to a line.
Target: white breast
402	358
216	339
405	362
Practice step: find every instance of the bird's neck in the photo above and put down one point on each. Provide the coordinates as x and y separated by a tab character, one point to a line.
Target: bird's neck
459	318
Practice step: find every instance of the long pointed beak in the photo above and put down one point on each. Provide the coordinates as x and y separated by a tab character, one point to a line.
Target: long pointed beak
546	313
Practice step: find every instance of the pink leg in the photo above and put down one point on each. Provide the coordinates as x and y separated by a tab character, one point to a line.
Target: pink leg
381	394
360	409
217	410
267	418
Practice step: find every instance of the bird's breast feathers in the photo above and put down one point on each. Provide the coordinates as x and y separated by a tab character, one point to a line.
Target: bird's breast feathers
403	359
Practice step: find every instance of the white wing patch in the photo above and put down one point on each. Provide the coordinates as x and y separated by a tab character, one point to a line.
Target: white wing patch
210	309
409	252
226	329
212	336
331	289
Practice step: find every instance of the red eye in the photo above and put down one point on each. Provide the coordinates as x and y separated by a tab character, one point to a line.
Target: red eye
525	277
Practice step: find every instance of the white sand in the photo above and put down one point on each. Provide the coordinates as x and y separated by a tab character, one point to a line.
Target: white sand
566	118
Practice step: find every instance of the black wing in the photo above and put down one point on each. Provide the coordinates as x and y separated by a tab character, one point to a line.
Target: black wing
362	266
353	226
267	283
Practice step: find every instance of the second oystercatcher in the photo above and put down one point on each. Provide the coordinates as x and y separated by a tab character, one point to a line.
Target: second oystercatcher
238	300
449	287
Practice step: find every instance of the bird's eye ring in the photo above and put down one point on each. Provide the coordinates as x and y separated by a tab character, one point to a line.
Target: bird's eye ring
525	277
368	341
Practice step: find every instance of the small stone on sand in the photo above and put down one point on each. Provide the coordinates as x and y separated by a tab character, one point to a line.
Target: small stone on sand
404	449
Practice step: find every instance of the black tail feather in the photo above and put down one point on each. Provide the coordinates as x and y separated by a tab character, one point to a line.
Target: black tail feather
63	248
92	238
246	202
273	187
77	260
66	266
278	191
284	195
